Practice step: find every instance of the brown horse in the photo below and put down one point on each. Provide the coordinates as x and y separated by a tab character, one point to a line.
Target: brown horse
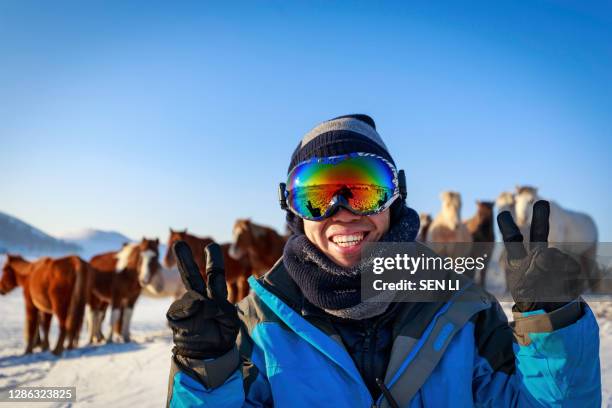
480	227
447	234
50	287
117	280
237	271
425	222
263	245
197	245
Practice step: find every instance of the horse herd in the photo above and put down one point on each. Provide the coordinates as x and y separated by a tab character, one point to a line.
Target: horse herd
454	237
71	288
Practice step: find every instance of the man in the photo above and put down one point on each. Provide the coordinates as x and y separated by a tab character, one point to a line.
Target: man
304	336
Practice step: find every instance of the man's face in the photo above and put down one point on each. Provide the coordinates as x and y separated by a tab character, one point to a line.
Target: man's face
342	236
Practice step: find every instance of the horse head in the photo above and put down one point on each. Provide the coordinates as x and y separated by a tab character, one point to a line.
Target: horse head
245	233
8	281
451	201
451	207
425	219
484	208
169	260
505	202
525	197
148	260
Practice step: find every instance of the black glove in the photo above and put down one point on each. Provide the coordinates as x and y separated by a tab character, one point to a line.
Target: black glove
204	324
540	277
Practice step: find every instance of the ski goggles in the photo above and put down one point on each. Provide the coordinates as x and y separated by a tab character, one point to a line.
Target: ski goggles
363	183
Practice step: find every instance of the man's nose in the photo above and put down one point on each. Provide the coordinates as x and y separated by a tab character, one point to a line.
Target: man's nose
344	215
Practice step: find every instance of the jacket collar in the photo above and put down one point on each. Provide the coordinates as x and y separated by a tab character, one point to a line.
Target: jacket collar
414	325
411	320
283	296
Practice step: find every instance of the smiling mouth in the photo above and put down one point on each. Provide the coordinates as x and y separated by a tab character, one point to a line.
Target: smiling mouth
348	240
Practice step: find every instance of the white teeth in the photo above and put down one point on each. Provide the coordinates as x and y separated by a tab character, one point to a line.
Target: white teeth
348	240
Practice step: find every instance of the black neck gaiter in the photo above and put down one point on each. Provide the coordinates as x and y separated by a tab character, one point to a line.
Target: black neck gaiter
336	289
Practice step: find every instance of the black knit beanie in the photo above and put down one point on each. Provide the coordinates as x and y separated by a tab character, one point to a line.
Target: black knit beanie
342	135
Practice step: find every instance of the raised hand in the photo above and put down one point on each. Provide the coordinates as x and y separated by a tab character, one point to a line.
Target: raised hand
204	324
539	277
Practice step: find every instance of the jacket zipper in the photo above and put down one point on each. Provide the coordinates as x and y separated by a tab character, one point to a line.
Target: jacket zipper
366	350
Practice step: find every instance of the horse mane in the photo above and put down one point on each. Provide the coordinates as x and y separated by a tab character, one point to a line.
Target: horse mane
258	230
242	224
484	209
123	256
10	261
526	189
184	235
505	198
14	257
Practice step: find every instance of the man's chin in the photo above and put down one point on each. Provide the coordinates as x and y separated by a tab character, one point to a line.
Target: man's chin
346	256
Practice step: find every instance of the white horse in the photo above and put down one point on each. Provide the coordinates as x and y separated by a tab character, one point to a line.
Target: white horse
571	231
165	282
505	202
565	225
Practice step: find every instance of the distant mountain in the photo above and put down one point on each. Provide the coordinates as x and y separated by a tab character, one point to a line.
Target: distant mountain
94	241
17	236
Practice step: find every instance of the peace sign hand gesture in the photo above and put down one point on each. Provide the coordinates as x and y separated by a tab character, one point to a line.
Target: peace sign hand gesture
204	324
539	277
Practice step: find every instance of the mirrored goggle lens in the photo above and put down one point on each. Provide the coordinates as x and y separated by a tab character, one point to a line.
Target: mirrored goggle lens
365	182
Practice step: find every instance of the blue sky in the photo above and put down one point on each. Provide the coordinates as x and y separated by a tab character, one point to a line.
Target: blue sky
137	116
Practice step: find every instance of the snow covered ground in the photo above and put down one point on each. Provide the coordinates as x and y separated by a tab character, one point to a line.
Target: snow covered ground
136	374
117	375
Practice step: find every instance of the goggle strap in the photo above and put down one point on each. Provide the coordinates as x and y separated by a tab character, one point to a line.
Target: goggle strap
401	183
282	196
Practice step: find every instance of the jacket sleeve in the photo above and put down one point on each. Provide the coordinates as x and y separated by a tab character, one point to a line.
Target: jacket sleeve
232	380
540	360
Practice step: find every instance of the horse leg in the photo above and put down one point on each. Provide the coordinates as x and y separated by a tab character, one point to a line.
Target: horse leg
119	323
31	329
231	292
99	319
78	299
60	306
96	308
73	336
95	316
590	269
38	335
115	317
116	304
127	319
45	326
90	319
243	288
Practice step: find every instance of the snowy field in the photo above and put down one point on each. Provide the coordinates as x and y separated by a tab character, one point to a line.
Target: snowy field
136	374
117	375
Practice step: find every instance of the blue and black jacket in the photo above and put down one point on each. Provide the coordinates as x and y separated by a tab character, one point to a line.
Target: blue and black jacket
460	353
